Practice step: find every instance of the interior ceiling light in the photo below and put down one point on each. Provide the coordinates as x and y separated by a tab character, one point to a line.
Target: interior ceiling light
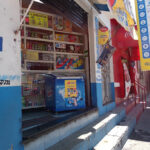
38	1
30	5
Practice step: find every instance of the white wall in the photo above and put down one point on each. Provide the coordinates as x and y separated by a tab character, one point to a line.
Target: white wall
10	70
10	63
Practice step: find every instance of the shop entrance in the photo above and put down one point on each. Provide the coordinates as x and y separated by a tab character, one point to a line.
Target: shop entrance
55	68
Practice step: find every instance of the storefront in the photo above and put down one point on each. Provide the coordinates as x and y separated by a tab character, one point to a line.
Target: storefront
55	49
126	60
55	66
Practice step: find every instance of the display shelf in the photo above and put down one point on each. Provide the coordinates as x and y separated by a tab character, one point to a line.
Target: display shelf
39	28
69	70
37	39
47	52
64	53
40	61
30	107
36	11
71	43
37	71
42	39
52	71
73	33
50	29
32	83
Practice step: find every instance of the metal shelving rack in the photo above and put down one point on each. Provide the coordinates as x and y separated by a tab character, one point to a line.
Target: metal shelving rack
54	53
25	27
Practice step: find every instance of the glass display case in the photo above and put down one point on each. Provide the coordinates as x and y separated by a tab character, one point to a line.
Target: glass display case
33	87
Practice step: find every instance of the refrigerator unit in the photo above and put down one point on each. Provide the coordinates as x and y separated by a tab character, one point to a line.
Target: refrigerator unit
64	92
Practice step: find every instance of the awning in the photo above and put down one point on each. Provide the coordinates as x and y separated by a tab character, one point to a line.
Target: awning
100	5
121	38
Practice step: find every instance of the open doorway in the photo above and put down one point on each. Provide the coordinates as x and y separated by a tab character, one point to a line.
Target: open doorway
55	69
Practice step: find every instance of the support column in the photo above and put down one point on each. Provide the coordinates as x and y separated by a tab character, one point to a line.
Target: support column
10	77
95	69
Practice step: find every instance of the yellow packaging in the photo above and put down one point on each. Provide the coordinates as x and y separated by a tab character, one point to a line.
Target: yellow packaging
30	55
59	37
70	88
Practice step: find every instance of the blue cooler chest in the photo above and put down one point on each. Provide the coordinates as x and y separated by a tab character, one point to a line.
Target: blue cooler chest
64	92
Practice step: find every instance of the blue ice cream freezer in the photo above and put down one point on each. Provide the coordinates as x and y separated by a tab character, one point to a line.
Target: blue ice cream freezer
64	92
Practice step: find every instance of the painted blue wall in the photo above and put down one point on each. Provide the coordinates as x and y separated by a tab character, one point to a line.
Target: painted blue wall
96	88
112	90
97	98
10	118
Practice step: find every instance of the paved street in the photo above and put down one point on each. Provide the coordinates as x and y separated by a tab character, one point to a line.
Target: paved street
140	138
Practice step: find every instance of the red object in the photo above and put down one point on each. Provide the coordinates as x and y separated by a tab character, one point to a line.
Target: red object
103	29
27	20
120	37
111	2
135	54
126	48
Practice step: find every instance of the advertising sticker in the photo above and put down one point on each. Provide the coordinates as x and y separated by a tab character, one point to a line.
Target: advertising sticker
37	19
143	23
70	88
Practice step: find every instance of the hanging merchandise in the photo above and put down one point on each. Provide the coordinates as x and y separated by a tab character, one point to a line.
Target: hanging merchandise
105	55
103	35
127	80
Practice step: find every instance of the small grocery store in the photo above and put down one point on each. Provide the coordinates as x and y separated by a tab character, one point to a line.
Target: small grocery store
55	65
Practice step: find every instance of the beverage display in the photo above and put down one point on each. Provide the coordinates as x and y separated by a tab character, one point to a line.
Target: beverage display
33	90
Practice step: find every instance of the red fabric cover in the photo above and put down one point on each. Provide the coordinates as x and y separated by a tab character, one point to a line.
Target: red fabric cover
122	41
120	37
119	71
135	54
111	2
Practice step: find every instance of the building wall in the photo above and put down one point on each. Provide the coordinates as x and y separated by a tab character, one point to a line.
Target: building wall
10	72
126	48
95	69
10	77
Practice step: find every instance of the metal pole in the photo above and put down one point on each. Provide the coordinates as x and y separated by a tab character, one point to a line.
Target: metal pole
22	20
30	5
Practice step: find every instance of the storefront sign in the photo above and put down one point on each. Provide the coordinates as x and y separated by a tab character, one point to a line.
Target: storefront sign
122	12
37	19
103	35
1	44
143	23
70	88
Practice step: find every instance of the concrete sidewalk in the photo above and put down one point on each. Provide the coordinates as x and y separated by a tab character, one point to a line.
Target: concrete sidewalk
140	138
